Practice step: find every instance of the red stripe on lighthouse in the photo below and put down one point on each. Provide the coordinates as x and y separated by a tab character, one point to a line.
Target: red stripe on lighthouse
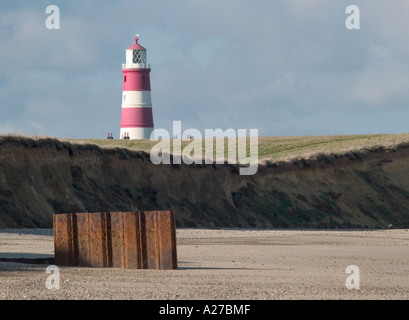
137	80
137	117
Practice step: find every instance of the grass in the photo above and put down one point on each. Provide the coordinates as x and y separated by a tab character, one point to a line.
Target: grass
278	148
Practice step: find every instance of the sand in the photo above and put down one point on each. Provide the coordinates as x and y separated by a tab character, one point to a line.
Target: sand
223	265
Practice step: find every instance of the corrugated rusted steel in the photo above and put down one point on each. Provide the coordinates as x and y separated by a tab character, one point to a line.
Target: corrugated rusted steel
131	240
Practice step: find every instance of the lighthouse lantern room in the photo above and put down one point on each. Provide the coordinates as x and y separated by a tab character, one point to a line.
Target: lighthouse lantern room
137	117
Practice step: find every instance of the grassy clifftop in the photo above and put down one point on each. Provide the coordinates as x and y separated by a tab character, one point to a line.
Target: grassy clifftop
281	148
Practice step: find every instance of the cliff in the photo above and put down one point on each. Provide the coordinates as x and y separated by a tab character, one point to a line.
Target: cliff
39	177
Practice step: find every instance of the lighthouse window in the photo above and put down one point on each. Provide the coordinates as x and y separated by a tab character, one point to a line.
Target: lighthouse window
136	56
124	78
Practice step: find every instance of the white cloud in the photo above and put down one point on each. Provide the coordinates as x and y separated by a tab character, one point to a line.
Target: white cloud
378	86
8	128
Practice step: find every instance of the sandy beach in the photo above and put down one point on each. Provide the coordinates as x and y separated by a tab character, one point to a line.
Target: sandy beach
224	264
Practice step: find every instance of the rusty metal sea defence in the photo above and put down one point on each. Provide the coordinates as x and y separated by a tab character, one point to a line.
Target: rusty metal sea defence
130	240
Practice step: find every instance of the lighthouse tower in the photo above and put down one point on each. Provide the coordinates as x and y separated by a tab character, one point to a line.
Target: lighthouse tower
137	118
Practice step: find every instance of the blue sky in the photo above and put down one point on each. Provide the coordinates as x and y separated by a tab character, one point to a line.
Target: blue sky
284	67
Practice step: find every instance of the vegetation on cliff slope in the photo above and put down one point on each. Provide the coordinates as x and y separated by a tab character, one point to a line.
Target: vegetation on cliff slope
303	182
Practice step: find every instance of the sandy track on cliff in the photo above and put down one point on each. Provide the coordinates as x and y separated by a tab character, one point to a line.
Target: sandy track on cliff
225	264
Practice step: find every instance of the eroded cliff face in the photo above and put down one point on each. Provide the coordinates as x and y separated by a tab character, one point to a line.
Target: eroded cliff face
42	177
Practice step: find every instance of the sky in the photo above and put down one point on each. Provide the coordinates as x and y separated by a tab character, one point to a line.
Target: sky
284	67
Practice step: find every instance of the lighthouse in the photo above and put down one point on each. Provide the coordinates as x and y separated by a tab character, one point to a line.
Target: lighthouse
137	117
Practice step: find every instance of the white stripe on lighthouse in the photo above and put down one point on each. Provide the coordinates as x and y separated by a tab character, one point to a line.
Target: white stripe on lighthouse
136	133
136	99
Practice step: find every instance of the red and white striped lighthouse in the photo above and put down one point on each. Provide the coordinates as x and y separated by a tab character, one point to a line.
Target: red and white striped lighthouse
137	118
